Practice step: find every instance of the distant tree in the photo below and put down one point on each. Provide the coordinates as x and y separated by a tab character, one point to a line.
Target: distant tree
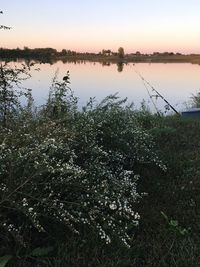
114	53
138	53
121	52
63	52
107	52
3	26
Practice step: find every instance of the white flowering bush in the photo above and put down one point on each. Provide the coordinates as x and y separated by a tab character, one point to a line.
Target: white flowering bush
11	91
78	172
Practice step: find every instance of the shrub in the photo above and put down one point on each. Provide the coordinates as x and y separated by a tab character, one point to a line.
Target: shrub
196	100
73	171
11	91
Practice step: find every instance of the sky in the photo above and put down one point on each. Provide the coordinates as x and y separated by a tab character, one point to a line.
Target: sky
92	25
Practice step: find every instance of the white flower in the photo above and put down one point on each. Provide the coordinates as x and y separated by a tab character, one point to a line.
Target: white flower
113	206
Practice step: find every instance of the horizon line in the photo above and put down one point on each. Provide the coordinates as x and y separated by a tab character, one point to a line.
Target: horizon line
93	52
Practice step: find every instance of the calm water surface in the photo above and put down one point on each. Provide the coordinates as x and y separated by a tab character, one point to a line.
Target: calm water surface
175	81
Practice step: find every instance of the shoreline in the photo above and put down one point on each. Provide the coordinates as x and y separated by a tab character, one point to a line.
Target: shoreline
193	59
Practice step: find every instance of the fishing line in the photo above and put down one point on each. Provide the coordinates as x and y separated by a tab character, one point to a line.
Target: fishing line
150	96
146	84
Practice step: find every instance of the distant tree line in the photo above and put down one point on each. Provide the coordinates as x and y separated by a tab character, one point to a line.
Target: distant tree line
52	53
27	52
40	53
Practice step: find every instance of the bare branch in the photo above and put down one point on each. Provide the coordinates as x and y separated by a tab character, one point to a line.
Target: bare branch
3	26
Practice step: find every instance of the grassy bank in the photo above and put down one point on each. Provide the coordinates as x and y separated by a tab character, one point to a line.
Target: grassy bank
104	186
172	240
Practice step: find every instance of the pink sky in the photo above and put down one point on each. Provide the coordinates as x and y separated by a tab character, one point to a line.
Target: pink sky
136	25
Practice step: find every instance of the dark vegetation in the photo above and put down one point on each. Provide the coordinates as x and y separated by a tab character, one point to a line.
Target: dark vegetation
75	184
106	56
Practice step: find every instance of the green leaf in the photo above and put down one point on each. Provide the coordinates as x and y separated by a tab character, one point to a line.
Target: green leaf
37	252
174	223
4	260
164	215
184	232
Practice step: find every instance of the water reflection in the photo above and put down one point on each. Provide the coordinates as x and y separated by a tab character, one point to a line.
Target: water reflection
175	81
120	66
52	61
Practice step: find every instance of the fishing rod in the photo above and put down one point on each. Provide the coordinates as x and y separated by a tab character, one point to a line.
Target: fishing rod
150	96
145	82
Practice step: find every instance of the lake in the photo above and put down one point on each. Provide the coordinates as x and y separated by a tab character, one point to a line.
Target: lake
175	81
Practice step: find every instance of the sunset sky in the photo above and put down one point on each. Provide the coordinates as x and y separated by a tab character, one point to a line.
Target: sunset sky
91	25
